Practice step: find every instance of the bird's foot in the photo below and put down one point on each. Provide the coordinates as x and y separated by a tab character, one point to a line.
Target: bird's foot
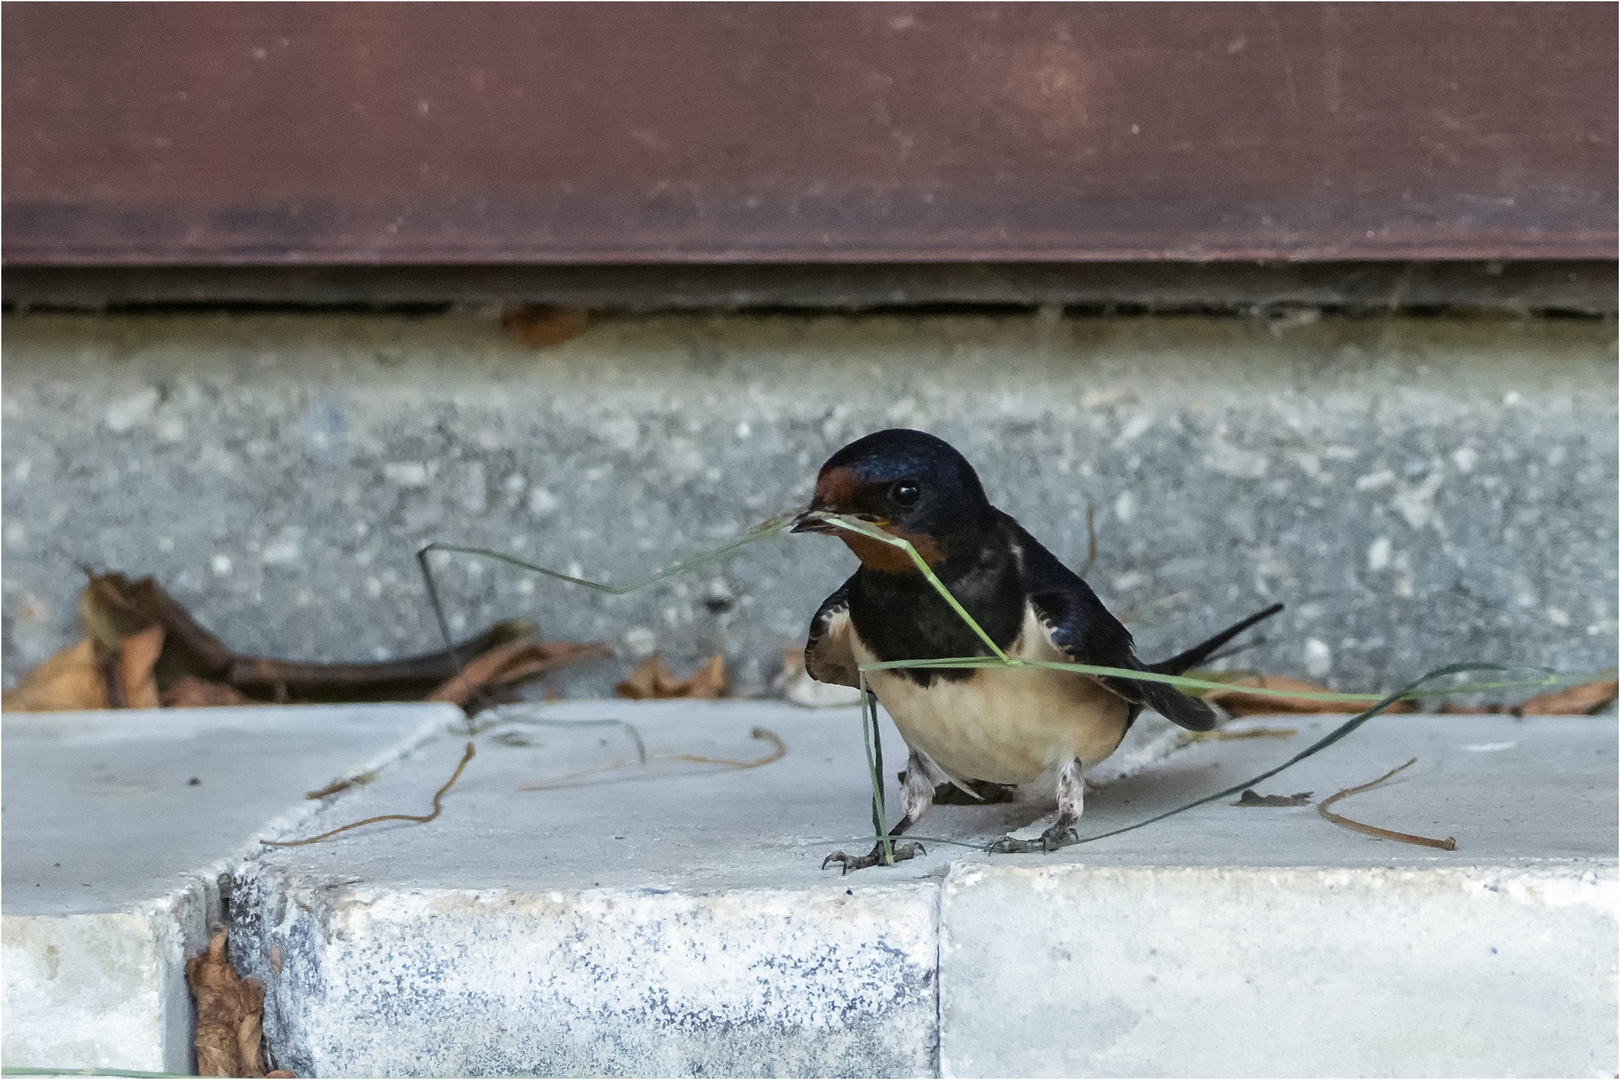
1061	834
902	852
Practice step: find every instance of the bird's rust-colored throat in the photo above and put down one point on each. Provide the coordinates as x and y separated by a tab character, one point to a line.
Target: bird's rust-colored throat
837	492
887	559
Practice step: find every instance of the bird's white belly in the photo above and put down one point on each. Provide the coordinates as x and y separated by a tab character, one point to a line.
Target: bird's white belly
1006	725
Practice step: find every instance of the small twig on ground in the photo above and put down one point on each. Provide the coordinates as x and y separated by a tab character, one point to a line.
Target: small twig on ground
342	783
420	819
1223	735
1448	844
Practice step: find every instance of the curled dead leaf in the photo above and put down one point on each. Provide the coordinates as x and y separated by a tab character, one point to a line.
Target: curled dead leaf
70	679
89	675
1585	699
651	680
515	662
194	693
137	659
230	1014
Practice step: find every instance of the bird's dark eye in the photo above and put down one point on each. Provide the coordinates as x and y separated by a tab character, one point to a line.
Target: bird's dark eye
904	492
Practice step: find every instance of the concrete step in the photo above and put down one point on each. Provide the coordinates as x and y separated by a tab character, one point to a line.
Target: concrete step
118	829
575	912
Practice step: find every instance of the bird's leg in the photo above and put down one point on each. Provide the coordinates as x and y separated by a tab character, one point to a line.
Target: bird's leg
917	793
1071	803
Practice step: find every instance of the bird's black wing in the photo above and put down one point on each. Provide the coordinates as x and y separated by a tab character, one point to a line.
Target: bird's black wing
828	655
1078	625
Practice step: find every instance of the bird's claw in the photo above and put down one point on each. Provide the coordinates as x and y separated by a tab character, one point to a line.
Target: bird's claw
1060	835
1056	837
1011	845
902	852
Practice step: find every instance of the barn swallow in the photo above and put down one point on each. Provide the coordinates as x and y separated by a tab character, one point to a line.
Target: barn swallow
978	728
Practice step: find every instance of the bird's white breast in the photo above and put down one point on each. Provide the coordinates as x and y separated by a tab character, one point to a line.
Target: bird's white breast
1006	725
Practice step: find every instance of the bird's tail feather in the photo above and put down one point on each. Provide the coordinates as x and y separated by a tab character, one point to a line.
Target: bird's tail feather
1184	661
1178	708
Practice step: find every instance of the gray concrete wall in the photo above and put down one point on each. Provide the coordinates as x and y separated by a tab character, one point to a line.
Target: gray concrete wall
1418	491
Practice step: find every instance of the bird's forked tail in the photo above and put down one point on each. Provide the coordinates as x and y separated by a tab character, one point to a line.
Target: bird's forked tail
1184	661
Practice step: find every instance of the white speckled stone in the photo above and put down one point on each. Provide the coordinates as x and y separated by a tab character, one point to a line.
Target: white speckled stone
608	982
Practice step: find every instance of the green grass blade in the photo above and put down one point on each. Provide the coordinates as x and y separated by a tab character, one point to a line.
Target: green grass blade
1321	744
770	527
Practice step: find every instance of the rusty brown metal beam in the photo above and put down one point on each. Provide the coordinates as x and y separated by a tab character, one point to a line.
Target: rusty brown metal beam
531	134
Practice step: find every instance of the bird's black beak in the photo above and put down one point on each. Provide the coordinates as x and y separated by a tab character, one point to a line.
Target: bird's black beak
810	522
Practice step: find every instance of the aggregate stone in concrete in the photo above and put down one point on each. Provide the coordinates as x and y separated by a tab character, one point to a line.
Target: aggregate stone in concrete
1419	491
1236	941
117	829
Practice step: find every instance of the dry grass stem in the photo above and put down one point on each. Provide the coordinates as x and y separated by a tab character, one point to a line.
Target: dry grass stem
779	749
420	819
1448	844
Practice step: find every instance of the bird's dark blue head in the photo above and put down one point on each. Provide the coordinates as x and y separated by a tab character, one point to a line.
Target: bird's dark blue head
905	482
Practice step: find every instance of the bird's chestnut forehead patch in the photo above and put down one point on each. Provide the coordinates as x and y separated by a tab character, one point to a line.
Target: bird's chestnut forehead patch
837	486
844	485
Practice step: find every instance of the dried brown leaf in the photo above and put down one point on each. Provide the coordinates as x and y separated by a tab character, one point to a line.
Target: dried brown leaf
71	679
708	681
1579	700
194	693
1236	702
652	680
107	613
540	326
515	662
230	1014
137	656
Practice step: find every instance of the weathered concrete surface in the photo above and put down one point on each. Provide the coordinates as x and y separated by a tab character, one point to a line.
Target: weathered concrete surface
1266	942
1109	971
573	912
669	919
1419	491
117	828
